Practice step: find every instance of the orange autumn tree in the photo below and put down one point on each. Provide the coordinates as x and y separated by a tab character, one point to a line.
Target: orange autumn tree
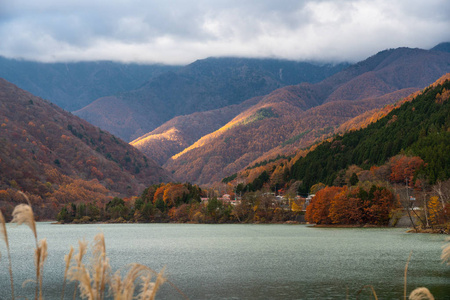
434	210
341	205
318	210
159	193
174	194
381	202
404	167
345	208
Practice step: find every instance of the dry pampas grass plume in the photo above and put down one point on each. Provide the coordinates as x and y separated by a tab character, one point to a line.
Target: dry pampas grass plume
124	289
40	256
91	279
421	293
23	214
4	235
67	260
78	258
100	263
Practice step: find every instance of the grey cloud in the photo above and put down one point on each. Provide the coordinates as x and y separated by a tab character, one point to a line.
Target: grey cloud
179	31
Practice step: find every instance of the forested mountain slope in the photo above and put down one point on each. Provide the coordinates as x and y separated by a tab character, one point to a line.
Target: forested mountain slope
201	86
57	158
297	116
420	127
179	133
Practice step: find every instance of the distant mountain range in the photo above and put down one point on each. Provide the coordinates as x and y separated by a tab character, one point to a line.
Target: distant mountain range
216	116
58	158
204	85
74	85
294	117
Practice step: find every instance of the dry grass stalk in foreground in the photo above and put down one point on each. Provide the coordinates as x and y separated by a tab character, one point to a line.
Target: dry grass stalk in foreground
421	293
445	256
82	249
23	214
125	288
93	279
67	260
4	235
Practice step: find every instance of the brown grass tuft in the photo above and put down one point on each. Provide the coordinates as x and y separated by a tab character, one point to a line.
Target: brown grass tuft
125	288
94	278
23	214
421	293
82	277
91	279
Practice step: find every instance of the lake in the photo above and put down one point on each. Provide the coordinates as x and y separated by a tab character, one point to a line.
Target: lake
237	261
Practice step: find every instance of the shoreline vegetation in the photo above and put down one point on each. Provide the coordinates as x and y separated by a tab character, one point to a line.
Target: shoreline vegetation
94	280
372	175
364	204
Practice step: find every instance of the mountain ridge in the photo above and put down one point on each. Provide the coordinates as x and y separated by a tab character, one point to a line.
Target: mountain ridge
366	85
56	157
201	86
73	85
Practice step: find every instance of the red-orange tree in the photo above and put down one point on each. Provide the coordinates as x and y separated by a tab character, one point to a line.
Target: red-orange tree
356	206
346	208
318	210
404	167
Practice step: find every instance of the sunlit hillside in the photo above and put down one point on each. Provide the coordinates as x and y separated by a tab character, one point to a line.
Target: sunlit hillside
295	117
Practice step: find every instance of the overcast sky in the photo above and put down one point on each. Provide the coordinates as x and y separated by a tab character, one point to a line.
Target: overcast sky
181	31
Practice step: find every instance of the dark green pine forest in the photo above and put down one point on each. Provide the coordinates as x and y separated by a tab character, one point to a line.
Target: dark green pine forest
417	128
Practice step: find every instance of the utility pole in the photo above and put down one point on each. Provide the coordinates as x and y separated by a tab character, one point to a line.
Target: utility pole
408	201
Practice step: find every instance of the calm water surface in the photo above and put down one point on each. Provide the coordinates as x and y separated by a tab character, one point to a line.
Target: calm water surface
244	261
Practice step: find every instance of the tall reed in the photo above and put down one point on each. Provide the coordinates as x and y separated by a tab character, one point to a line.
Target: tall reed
93	279
125	288
67	260
23	214
4	235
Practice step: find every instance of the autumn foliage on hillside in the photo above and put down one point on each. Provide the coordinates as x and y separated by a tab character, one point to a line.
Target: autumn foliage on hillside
306	114
419	128
57	158
404	154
